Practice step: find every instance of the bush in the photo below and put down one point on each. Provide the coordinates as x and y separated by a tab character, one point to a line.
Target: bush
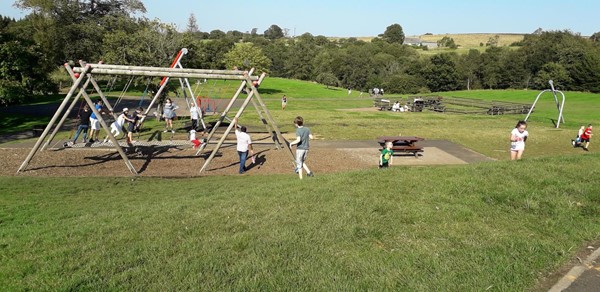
11	92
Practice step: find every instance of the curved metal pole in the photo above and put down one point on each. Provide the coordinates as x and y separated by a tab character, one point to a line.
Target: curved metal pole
560	111
534	103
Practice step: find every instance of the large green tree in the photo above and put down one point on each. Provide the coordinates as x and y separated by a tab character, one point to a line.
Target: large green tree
393	34
245	56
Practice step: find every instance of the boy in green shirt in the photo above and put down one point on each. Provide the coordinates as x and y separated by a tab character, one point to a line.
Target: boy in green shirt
386	156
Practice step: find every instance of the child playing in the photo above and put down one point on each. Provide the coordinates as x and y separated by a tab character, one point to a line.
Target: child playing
244	144
134	126
586	136
283	102
116	128
303	136
194	116
577	141
518	136
194	140
169	114
387	155
84	124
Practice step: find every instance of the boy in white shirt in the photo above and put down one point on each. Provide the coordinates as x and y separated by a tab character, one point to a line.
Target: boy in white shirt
244	145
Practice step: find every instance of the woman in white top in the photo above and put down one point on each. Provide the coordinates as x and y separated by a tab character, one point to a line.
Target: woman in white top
518	136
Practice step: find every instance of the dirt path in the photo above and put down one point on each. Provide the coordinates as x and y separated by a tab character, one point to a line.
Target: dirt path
179	160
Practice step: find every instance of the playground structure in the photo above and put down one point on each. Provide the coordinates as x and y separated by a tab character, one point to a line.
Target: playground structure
87	71
559	106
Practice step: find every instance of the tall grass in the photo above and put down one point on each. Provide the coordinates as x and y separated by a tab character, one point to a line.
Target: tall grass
497	226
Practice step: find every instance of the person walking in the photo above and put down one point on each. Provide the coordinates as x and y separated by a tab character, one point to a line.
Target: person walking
303	136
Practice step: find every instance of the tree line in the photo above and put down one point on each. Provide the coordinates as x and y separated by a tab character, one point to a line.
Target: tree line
33	49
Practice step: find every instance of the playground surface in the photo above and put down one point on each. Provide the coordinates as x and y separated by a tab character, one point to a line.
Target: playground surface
178	159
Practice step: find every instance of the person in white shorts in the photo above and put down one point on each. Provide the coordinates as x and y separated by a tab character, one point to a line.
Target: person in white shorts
518	136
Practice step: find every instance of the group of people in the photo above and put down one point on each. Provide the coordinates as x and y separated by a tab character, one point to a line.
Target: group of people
302	142
88	121
518	137
397	107
583	136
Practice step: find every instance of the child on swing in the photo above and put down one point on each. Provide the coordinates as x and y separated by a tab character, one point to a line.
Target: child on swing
116	128
134	124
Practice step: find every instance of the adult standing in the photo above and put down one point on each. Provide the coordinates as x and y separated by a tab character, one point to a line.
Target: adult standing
244	145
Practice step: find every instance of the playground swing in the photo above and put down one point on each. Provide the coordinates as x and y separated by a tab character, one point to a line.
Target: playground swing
124	91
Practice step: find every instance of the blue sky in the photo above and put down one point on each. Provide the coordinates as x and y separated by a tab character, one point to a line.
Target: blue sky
369	18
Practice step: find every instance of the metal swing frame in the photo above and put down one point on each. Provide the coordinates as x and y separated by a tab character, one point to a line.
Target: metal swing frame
559	106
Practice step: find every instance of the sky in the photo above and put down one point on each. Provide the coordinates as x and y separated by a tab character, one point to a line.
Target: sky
353	18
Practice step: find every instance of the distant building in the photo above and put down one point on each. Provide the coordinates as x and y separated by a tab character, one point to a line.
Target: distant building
412	41
418	42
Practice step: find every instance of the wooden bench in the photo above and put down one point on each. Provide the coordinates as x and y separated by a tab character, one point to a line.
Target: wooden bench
415	150
404	144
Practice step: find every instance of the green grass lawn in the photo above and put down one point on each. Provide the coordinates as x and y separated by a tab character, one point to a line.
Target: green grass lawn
497	226
493	226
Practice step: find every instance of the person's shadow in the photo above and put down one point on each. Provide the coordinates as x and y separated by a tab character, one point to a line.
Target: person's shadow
260	160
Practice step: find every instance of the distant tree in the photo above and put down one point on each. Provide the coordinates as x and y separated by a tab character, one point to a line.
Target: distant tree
216	34
551	71
403	84
273	32
447	42
245	56
595	37
393	34
441	74
538	31
493	41
327	79
467	67
192	25
254	31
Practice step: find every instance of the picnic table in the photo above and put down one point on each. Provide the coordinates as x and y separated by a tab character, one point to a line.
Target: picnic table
402	144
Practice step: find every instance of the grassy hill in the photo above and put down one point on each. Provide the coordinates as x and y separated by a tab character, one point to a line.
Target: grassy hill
498	226
473	40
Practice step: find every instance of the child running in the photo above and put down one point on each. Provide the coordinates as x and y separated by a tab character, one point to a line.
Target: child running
518	136
387	155
586	136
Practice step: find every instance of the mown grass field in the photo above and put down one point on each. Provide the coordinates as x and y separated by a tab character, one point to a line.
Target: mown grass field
473	40
498	226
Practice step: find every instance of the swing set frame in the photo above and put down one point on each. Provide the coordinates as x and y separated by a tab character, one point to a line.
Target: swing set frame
87	71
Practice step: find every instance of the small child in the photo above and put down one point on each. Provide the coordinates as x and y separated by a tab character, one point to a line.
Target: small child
194	140
518	136
387	156
303	137
194	114
586	136
116	128
134	125
577	141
